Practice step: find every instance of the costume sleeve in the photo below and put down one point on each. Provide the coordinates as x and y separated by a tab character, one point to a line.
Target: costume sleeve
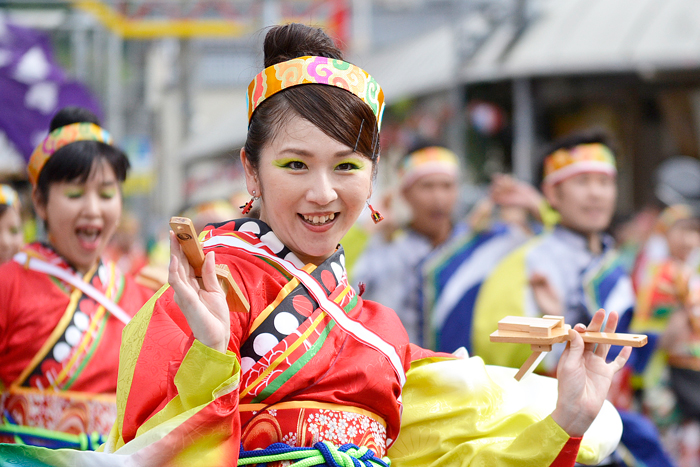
177	400
459	412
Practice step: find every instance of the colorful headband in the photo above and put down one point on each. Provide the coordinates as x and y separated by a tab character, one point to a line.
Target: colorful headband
426	161
8	196
565	163
315	70
672	214
61	137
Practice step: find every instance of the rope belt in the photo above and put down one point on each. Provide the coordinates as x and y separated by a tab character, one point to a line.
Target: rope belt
35	436
322	454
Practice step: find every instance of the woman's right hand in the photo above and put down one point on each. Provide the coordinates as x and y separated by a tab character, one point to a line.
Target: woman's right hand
205	307
584	377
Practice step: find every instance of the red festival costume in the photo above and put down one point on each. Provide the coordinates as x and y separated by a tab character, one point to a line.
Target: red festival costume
59	349
296	372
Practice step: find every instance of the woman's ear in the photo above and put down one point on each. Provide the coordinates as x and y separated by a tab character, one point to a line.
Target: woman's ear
39	204
251	178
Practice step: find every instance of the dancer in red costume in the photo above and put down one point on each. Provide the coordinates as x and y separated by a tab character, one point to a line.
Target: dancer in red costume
302	367
62	310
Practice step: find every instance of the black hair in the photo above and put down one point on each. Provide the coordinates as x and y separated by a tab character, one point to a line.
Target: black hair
590	136
76	160
338	113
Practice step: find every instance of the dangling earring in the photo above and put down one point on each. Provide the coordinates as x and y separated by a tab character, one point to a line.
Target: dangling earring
245	209
376	215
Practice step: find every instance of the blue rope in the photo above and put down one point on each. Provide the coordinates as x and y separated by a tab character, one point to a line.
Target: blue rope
46	438
325	453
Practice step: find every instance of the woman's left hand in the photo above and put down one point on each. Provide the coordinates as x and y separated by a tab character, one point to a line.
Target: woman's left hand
585	376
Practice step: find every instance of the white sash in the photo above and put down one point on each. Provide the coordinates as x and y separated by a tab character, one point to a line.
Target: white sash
355	329
35	264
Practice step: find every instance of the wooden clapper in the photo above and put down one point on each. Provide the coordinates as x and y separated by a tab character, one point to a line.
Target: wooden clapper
187	237
541	333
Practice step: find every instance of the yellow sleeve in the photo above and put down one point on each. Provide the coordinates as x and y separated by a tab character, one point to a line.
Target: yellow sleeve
462	413
203	374
550	217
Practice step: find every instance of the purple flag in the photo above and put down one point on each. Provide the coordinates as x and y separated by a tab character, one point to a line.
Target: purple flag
33	87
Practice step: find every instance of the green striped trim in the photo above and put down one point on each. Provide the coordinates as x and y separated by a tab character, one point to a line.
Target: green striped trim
78	441
120	289
605	270
90	352
301	361
351	304
60	284
279	268
294	368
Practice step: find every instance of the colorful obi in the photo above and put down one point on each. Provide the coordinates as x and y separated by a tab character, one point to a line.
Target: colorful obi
56	419
304	424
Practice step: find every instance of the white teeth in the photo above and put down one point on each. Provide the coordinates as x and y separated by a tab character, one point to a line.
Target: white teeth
319	220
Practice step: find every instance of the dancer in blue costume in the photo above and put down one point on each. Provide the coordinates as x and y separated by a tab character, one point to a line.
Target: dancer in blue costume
572	270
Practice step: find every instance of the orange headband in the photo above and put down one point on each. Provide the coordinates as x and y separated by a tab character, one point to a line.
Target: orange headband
565	163
316	70
61	137
8	196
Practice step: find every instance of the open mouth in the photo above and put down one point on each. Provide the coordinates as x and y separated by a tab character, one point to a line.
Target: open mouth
88	237
319	220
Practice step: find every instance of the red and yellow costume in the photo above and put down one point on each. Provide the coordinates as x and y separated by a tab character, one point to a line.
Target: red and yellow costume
59	349
297	373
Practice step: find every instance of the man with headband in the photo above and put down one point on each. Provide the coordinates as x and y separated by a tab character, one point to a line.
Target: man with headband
389	267
572	270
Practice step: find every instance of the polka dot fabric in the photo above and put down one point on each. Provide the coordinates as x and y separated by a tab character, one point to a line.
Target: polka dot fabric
297	306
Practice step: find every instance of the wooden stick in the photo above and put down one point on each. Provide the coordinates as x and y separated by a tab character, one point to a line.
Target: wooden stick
614	338
529	365
541	333
187	237
562	335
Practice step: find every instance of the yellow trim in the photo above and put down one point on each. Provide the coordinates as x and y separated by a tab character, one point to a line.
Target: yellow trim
150	29
311	405
286	290
197	384
296	343
342	294
132	340
48	345
284	355
58	330
90	331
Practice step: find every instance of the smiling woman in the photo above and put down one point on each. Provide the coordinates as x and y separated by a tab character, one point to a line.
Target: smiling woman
62	309
300	370
314	188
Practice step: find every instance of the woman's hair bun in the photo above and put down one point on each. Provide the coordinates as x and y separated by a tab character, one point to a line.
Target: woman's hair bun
70	115
296	40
